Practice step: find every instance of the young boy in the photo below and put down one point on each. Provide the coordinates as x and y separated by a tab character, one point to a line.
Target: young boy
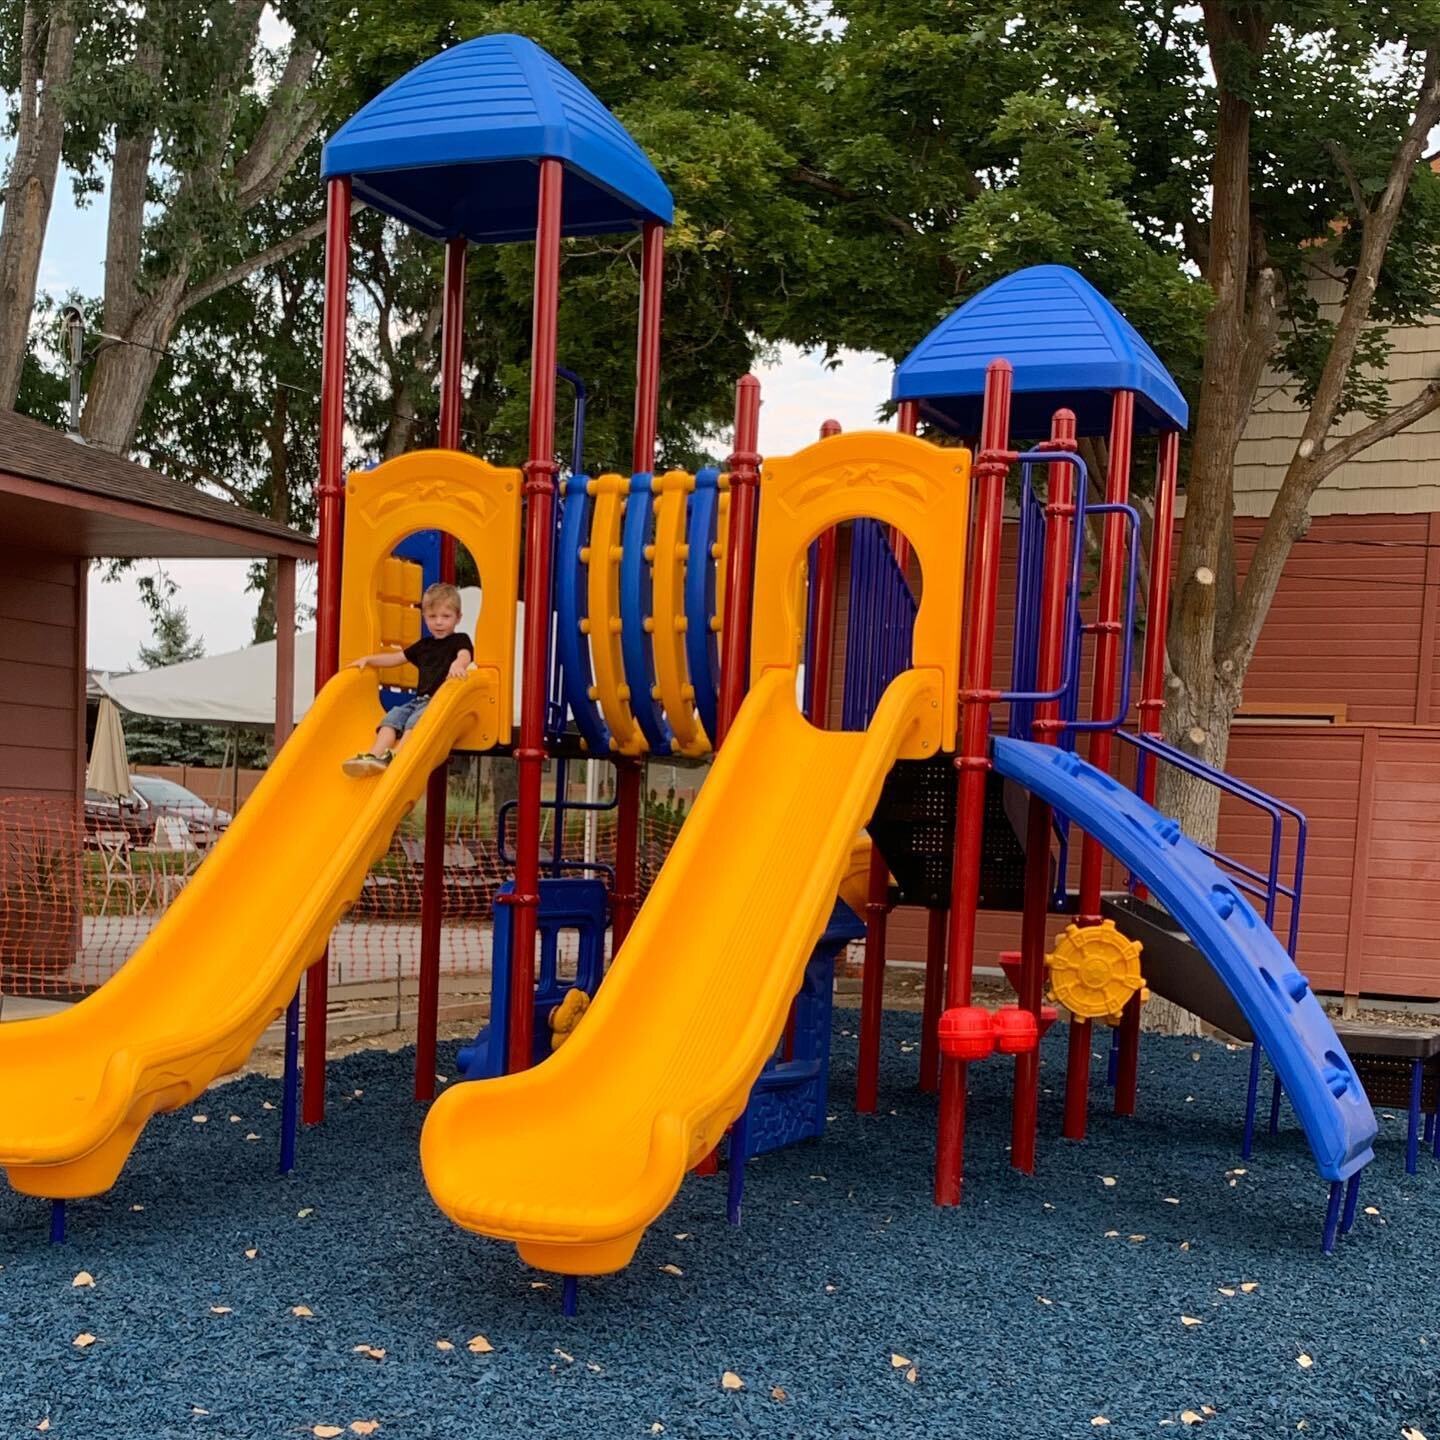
445	654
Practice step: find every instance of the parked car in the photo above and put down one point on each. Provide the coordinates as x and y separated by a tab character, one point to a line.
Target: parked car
130	813
165	797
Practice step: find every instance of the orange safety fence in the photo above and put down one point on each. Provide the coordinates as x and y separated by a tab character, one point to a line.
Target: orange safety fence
81	889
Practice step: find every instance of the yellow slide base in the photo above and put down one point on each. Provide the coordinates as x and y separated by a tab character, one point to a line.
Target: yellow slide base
77	1088
574	1159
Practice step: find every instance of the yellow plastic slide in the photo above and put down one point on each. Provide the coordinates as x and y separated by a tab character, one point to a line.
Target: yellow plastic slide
189	1005
76	1088
573	1159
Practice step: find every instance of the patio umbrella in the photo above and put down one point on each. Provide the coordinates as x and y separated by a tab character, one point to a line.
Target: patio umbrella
109	767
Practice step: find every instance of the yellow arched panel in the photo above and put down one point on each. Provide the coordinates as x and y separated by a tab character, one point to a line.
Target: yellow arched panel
921	489
603	591
477	503
667	583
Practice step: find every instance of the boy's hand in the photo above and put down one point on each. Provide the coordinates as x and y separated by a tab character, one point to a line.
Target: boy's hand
459	670
360	664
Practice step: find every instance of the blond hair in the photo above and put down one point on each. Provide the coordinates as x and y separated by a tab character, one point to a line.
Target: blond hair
438	594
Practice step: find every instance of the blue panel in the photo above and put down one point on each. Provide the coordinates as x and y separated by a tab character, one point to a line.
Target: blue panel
1287	1019
566	903
702	651
636	607
501	102
572	649
1069	346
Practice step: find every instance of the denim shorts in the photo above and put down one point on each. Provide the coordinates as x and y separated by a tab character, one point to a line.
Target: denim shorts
405	717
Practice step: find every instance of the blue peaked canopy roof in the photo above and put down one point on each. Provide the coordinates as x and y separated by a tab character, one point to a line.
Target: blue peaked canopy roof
1069	346
451	148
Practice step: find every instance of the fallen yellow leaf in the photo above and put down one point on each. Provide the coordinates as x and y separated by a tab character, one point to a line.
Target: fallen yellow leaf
1249	1286
251	1253
912	1375
565	1355
1044	1300
1136	1239
308	1210
1171	1200
303	1311
373	1351
777	1392
326	1432
1408	1432
1191	1417
1099	1420
1304	1361
657	1428
83	1280
671	1270
364	1427
44	1425
1374	1210
682	1235
1226	1291
198	1119
479	1345
137	1207
1111	1234
899	1362
252	1136
266	1105
83	1340
731	1381
1190	1321
235	1119
1107	1180
444	1344
221	1310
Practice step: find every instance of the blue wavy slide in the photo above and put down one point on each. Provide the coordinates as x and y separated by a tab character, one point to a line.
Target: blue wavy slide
1276	999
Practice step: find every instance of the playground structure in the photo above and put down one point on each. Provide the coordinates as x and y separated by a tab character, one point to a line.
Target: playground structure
679	614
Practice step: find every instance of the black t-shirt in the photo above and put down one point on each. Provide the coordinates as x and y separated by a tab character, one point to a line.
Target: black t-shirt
433	658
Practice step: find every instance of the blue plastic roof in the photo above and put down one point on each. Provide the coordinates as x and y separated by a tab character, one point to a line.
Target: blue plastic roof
1069	346
501	103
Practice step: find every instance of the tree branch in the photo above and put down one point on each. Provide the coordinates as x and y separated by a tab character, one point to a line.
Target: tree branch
290	120
196	294
1342	160
29	87
1401	418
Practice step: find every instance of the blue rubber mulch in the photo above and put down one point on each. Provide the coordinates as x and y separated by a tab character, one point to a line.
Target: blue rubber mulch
1022	1315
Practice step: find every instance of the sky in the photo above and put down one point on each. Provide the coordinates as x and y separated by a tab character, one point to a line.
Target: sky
798	393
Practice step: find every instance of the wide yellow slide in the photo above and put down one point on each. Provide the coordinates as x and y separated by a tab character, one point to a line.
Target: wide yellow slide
572	1160
76	1088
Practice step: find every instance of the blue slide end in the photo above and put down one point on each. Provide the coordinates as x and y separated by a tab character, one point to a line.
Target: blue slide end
1275	997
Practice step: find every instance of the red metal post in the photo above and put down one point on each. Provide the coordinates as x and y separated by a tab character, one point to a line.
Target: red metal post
437	789
540	471
629	772
872	985
740	556
1152	706
330	495
1059	512
1102	705
973	762
936	934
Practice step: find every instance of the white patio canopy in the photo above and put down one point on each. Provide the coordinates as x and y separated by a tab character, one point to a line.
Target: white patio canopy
239	688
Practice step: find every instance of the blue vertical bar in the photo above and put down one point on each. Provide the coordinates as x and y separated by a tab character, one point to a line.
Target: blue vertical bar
290	1093
1352	1195
1252	1096
1412	1133
1276	1090
570	1295
57	1222
1332	1217
735	1180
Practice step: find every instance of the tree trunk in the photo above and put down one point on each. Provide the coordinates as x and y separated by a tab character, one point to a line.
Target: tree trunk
36	162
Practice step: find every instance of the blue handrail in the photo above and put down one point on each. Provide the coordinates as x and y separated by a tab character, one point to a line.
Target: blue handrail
1266	886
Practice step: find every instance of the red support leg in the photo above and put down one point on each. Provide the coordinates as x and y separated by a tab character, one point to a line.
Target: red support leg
936	934
740	556
973	761
1107	653
872	988
1152	706
330	493
1059	512
540	471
